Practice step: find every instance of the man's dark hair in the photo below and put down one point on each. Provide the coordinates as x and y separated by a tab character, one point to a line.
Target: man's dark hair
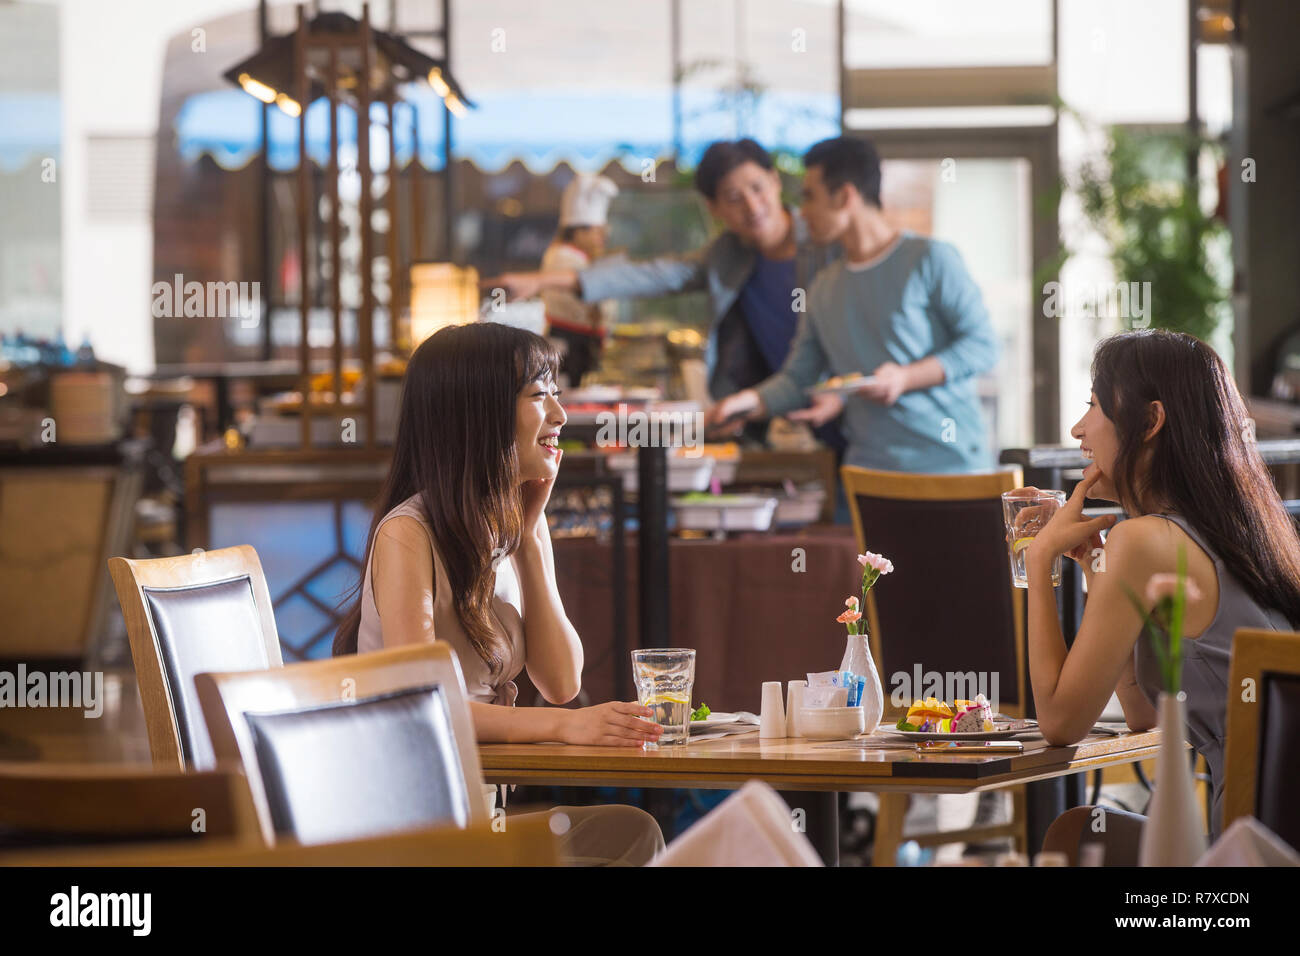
850	160
724	156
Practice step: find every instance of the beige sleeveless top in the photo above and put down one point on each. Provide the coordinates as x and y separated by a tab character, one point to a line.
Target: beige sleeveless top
506	605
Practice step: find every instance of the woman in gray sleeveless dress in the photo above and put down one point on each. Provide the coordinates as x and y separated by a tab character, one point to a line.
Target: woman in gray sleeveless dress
1169	440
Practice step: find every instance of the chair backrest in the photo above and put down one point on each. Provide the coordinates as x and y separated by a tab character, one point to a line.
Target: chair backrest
526	842
43	804
950	602
209	611
352	746
1262	750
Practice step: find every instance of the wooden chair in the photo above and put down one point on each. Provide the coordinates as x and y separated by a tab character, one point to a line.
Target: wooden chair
522	843
1075	828
1262	750
351	746
949	604
209	611
61	804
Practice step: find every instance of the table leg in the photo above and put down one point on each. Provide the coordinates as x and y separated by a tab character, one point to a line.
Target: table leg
821	820
889	828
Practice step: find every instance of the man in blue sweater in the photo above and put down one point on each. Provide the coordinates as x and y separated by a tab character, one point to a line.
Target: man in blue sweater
898	307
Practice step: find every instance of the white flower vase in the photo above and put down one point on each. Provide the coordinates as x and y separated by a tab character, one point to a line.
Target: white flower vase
1174	833
857	658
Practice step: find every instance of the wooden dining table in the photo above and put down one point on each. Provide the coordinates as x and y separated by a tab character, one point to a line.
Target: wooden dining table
810	771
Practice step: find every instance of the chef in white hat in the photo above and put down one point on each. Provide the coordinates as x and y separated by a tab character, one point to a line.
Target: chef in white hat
584	215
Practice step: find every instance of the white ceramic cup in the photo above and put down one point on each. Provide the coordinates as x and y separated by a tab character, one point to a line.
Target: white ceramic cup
771	721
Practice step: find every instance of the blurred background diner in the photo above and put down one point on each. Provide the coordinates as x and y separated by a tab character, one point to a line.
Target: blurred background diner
218	251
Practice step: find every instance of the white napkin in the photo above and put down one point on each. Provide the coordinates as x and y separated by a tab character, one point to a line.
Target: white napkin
1249	843
744	723
752	827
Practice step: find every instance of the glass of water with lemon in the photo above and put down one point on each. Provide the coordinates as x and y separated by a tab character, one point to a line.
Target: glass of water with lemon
1026	514
664	677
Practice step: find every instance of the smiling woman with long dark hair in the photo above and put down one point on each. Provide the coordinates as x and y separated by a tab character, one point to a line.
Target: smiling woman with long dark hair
459	551
1169	440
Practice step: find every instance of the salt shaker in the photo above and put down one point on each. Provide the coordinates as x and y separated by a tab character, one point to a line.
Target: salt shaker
771	721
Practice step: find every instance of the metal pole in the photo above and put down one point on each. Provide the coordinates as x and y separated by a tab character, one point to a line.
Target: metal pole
652	551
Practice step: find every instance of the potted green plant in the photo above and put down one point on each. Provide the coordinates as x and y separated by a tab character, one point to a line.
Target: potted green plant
1138	197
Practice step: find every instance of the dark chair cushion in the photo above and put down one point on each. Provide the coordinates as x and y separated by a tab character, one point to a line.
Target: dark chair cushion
364	768
201	629
1277	782
947	605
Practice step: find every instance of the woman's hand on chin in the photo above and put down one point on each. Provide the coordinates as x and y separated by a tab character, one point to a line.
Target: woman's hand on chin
536	492
1103	489
1068	531
615	724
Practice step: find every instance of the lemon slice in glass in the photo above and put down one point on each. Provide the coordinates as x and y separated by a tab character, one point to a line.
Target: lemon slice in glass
667	699
1021	544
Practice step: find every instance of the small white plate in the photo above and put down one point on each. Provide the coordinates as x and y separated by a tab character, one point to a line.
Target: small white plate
1017	727
847	387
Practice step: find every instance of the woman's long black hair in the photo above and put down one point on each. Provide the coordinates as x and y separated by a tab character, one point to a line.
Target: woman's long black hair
455	447
1203	464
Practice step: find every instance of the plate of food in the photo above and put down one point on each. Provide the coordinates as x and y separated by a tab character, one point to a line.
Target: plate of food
934	719
843	384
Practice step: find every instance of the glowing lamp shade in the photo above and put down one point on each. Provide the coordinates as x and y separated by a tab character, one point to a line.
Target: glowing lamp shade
442	294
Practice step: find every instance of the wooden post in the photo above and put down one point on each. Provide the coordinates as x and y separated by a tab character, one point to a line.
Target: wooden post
304	201
394	236
417	208
365	315
336	252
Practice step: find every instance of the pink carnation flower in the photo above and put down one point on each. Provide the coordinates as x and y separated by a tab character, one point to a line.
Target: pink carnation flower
1162	586
877	561
851	603
849	617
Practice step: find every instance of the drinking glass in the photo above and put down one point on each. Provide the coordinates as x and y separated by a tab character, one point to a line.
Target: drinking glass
1026	514
664	677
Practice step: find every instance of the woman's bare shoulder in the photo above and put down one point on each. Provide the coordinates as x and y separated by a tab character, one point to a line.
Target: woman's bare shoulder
402	532
1150	542
1138	534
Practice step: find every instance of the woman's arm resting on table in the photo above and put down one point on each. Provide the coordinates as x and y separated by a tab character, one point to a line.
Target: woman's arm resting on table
615	724
1071	688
